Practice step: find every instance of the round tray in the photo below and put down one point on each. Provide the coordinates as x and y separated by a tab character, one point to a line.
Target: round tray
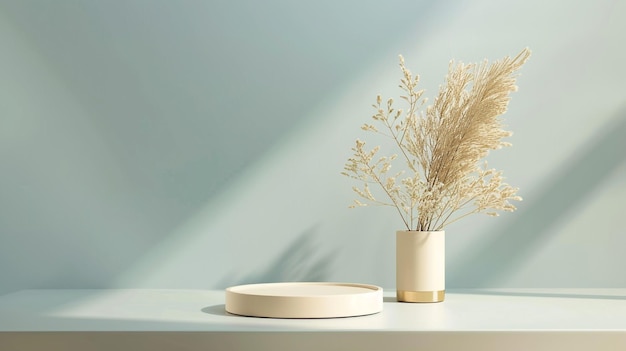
304	300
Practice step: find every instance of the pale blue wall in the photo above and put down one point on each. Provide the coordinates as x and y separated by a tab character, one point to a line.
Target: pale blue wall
197	144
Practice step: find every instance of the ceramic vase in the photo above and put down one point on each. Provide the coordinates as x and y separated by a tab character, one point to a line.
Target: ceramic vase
420	266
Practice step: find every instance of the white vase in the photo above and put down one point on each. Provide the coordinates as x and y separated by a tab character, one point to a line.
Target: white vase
420	266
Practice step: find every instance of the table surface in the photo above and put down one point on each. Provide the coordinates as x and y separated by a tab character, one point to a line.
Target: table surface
130	310
160	320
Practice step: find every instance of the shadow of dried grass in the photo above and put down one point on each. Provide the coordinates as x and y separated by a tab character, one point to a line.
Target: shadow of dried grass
507	246
301	261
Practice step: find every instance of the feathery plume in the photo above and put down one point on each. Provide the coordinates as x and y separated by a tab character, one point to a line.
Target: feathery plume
442	146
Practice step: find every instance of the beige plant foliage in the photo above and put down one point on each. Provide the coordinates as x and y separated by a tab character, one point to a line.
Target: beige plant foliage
442	145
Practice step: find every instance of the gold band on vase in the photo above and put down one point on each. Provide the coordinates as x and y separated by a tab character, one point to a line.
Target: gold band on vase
420	296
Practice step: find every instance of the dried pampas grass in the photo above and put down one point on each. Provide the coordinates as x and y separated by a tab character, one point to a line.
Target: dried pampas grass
442	146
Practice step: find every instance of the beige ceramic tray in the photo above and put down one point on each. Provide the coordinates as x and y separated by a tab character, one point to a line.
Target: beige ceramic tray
304	300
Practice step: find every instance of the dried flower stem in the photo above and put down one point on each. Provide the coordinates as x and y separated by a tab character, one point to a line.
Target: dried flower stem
442	146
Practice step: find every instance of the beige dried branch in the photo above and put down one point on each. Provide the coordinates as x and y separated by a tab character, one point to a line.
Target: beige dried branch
442	146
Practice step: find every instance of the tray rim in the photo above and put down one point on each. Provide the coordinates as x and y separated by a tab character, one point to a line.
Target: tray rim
236	289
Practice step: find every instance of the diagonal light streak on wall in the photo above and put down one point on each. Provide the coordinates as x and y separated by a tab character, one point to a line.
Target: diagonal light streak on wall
121	159
296	184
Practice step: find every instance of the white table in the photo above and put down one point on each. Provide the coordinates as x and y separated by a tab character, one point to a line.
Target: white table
519	319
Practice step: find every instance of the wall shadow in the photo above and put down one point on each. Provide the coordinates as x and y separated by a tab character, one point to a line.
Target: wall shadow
301	261
507	246
178	121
